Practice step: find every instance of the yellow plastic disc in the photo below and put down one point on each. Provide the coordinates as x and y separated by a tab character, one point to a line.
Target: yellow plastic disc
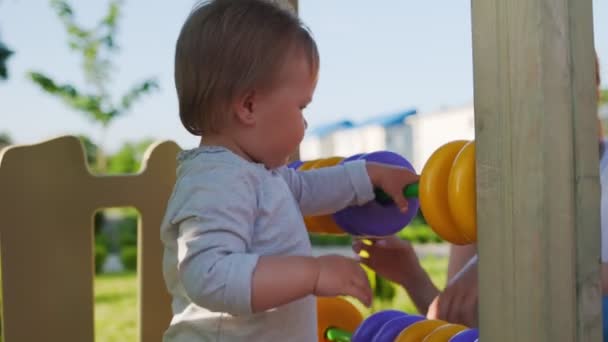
433	192
336	312
307	165
461	192
444	333
331	161
324	224
419	330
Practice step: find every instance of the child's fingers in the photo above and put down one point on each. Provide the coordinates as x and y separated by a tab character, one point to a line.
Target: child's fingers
400	201
361	290
362	295
412	177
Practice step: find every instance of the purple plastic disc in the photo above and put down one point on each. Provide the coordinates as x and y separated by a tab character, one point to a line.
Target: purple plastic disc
391	329
373	218
353	157
295	164
469	335
370	326
347	229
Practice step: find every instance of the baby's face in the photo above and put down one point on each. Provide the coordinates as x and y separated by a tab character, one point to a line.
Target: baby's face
281	124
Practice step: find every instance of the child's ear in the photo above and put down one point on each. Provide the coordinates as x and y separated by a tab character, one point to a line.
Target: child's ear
244	107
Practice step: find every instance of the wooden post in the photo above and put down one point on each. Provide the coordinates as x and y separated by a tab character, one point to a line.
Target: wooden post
537	170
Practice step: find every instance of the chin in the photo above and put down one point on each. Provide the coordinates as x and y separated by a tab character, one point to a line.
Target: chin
275	164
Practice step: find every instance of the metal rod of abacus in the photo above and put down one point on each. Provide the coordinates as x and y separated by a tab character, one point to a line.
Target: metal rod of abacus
409	191
337	335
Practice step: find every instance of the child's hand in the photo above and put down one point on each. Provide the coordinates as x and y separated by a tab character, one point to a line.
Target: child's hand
342	276
392	180
391	257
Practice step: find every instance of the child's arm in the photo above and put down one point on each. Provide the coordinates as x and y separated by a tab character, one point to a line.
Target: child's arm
215	226
278	280
329	189
218	273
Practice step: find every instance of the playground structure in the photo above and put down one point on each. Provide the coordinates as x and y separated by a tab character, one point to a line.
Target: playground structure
537	196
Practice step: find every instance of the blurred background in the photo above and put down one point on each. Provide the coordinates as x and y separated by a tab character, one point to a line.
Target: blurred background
395	76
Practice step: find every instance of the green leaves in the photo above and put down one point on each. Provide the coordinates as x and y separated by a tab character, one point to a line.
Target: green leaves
135	93
88	104
5	53
95	45
128	159
98	108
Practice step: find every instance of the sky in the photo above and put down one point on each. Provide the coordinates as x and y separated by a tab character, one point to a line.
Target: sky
375	60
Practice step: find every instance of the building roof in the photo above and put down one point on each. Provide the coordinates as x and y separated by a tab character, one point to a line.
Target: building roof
327	129
387	120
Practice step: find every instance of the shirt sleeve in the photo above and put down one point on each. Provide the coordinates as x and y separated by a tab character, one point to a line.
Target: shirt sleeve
329	189
216	223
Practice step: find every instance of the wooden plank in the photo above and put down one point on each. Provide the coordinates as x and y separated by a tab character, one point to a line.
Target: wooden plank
46	239
537	170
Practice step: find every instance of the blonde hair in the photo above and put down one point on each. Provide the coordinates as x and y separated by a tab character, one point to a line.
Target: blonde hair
229	47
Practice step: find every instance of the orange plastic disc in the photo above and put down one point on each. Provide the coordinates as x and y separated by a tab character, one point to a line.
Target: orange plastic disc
419	330
324	224
310	222
444	333
336	312
433	192
461	192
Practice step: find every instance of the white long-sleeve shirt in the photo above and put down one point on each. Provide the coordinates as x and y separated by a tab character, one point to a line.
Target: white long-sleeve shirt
226	212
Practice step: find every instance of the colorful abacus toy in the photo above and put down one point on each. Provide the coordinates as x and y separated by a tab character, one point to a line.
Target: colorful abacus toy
445	194
340	321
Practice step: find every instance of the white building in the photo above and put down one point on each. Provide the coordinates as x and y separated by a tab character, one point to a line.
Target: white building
431	130
413	135
345	138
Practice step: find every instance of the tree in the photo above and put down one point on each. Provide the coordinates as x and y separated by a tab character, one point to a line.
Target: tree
604	97
5	139
96	46
128	158
5	53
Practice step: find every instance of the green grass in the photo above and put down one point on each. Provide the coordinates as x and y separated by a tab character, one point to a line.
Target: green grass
436	267
116	308
116	302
